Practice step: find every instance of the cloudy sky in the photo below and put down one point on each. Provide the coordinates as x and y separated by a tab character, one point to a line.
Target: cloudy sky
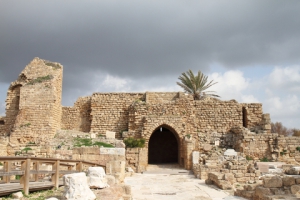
251	48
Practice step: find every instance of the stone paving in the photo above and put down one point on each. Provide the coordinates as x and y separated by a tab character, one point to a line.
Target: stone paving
159	183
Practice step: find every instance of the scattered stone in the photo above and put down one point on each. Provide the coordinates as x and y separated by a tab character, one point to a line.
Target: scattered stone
96	177
17	195
76	187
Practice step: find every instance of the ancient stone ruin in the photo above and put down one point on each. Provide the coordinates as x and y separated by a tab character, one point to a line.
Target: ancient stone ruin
177	129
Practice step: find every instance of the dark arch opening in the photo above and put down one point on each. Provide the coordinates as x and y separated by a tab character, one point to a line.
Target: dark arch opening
163	147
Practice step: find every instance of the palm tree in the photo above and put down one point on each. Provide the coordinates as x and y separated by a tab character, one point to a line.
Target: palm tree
195	85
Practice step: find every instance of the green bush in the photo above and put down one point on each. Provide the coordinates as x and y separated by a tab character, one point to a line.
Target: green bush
264	159
26	149
298	149
134	143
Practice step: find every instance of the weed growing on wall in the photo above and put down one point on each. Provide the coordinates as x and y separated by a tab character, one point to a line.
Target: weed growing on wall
40	79
134	143
298	149
54	65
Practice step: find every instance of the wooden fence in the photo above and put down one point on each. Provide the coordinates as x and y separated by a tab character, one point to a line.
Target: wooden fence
28	170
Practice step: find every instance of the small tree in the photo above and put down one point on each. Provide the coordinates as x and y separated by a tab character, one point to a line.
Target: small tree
296	132
277	127
196	85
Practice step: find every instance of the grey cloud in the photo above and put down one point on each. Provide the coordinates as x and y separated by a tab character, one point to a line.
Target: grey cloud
145	40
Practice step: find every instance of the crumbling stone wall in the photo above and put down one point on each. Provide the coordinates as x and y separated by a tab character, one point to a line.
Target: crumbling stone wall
33	105
161	97
77	117
110	111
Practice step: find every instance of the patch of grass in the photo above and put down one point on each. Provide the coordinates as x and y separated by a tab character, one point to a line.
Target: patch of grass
40	79
26	149
188	136
25	125
283	152
103	144
79	142
18	177
54	65
1	164
249	158
134	143
264	159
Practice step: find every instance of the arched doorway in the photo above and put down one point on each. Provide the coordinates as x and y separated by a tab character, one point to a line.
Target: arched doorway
163	146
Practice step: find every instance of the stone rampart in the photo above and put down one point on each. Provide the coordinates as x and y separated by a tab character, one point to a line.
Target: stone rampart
77	117
110	111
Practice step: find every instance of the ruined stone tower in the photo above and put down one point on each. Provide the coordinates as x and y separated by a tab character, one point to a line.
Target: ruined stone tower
33	105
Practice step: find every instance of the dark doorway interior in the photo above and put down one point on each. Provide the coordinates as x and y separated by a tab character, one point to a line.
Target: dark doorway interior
245	120
163	147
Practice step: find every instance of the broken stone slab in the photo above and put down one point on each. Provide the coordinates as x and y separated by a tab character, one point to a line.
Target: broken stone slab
196	156
112	151
76	187
96	177
110	134
293	171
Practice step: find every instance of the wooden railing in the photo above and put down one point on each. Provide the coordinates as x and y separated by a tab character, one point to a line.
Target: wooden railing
29	169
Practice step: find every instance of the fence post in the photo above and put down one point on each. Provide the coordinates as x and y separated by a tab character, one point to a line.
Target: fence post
79	166
36	167
25	178
55	176
7	168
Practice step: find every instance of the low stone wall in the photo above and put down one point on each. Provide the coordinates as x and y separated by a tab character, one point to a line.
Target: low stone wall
272	187
137	159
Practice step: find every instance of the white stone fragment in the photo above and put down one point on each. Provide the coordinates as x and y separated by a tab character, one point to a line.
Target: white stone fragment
96	177
76	187
110	134
196	156
17	195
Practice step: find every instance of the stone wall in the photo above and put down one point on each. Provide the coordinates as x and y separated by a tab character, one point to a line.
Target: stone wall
77	117
137	159
110	111
161	97
33	105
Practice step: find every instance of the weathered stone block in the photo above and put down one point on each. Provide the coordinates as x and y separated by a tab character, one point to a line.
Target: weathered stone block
272	182
288	181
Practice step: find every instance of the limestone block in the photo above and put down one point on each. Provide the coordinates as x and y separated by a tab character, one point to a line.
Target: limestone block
76	187
207	147
261	192
230	178
288	181
272	182
96	177
111	180
17	195
110	134
112	151
295	189
293	171
196	156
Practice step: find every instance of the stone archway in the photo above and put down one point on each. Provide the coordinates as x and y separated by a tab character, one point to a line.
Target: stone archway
163	146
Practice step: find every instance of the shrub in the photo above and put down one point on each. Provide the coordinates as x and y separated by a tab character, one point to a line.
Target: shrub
249	158
134	143
264	159
298	148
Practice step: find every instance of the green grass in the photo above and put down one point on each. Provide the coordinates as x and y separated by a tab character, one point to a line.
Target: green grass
264	159
79	142
54	65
